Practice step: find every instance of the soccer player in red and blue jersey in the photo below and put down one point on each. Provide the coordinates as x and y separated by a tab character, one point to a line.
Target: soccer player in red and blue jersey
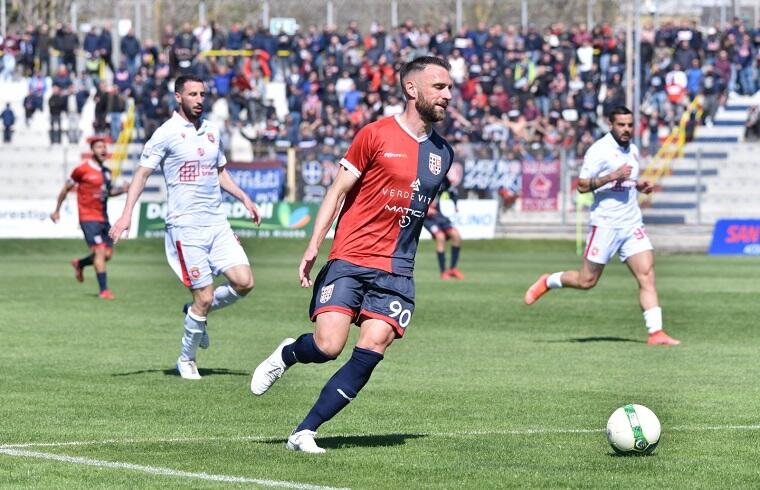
388	179
93	182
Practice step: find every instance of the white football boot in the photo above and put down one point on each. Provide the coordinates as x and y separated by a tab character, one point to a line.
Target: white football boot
187	369
270	370
304	441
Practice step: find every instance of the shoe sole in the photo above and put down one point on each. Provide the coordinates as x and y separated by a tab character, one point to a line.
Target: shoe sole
279	348
529	298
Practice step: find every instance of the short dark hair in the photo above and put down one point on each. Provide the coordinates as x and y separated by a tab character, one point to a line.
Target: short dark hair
181	80
97	139
419	64
620	110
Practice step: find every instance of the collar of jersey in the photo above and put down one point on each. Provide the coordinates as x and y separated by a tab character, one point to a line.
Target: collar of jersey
617	145
94	165
407	131
187	124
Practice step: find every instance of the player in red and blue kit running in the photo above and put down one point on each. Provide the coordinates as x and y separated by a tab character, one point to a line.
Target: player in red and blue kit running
441	229
93	182
388	179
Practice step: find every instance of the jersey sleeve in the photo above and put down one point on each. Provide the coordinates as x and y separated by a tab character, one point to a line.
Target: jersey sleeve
76	175
155	150
592	163
361	152
221	159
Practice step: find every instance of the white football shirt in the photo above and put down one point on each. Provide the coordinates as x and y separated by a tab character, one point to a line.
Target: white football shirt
616	204
190	159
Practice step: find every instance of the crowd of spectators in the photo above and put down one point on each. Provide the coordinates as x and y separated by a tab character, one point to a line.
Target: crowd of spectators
512	89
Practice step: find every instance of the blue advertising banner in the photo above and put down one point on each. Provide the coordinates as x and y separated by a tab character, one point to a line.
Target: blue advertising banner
736	237
263	182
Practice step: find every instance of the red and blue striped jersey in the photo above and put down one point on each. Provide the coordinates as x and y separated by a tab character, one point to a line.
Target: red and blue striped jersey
399	176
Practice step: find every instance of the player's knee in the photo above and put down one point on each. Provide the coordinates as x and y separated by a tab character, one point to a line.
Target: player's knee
202	301
244	287
330	347
588	282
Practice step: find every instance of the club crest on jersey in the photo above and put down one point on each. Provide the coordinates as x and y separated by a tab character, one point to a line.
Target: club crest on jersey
183	135
211	137
195	273
434	163
201	152
326	293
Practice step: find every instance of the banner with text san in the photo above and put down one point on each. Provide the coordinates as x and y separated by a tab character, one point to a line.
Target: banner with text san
278	219
736	237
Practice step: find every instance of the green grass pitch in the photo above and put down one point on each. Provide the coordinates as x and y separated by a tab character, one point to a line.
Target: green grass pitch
483	392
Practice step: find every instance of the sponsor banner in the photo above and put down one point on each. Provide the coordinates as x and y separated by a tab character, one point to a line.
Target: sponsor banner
540	185
31	218
262	181
476	218
315	171
736	237
491	175
278	219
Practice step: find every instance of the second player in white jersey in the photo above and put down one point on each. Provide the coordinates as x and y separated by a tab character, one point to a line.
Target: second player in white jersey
616	203
199	241
190	159
611	171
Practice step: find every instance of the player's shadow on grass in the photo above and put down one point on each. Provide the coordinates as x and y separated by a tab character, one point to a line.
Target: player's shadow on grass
380	440
583	340
201	371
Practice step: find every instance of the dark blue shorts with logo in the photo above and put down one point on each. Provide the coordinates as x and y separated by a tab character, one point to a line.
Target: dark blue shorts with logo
96	233
437	223
363	292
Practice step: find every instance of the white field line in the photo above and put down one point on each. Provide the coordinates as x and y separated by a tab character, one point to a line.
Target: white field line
466	433
155	470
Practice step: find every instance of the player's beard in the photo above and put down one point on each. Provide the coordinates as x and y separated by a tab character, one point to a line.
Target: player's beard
190	113
428	111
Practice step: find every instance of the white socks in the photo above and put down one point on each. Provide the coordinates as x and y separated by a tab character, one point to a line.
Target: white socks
554	281
194	327
653	319
224	296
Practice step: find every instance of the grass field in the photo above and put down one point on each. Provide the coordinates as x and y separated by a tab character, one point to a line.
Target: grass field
482	392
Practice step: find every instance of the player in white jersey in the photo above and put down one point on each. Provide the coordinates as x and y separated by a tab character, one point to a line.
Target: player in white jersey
611	171
199	241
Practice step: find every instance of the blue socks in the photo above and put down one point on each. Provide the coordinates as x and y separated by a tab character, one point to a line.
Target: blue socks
102	281
341	388
454	256
441	260
305	351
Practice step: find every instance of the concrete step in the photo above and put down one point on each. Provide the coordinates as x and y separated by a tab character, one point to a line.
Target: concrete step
716	139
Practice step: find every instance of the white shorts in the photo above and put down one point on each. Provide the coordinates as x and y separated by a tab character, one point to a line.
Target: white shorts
197	254
602	243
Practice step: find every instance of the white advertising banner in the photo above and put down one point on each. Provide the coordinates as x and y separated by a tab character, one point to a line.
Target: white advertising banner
475	219
31	218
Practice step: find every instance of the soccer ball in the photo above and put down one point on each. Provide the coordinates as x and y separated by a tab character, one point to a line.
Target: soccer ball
633	429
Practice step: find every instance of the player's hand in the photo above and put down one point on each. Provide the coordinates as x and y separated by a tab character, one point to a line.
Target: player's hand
122	224
623	172
307	262
55	216
645	187
253	210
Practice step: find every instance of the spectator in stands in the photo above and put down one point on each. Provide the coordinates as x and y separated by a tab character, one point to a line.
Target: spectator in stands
105	46
115	106
57	106
42	42
67	43
131	50
752	125
9	119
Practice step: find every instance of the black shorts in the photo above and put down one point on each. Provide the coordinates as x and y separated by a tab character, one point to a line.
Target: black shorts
437	223
363	292
96	233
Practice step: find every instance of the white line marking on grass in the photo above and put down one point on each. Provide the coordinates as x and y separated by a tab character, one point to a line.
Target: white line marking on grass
466	433
154	470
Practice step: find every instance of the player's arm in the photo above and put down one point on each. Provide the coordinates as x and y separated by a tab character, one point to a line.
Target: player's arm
591	184
229	185
56	214
328	211
136	189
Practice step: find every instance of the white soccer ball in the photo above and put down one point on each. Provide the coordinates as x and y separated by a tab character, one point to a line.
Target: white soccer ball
633	429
